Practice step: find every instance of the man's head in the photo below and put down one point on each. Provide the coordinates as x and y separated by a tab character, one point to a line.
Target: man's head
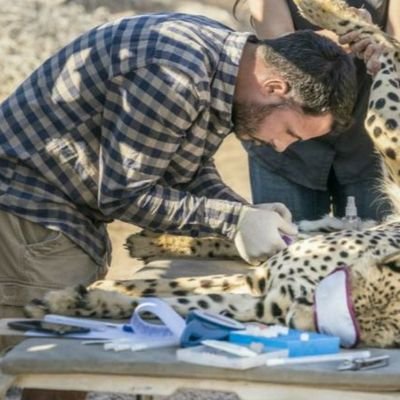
295	87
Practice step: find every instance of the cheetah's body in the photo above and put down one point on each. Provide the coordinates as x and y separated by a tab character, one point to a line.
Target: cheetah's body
282	289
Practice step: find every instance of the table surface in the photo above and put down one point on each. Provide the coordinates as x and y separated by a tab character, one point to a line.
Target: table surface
67	356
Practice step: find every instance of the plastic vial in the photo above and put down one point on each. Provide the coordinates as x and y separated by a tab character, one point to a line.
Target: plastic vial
351	219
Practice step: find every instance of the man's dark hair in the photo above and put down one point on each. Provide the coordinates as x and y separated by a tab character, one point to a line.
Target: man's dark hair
320	74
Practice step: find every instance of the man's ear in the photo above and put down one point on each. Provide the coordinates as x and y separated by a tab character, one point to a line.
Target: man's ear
276	86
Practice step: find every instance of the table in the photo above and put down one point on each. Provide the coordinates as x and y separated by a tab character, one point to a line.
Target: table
68	364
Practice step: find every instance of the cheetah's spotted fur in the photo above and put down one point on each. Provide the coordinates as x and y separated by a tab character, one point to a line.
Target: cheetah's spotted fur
281	290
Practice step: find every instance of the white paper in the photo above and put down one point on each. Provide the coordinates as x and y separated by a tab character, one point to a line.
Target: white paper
145	334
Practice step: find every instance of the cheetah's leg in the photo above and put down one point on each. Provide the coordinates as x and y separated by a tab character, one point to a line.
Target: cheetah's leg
78	301
177	287
253	282
147	245
105	304
117	299
383	123
337	16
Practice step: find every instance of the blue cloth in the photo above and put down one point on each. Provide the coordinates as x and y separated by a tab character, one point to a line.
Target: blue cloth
122	123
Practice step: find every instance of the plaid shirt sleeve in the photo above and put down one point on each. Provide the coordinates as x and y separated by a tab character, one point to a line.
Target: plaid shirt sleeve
209	183
146	114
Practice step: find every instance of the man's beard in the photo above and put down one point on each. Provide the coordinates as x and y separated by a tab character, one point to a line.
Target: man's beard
247	117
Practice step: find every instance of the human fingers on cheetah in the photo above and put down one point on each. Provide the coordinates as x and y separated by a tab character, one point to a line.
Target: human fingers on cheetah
370	52
364	48
356	41
349	37
372	58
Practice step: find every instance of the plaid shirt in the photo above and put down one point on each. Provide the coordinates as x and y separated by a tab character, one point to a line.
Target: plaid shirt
122	124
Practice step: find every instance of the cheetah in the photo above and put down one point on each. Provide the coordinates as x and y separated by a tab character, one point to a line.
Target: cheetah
282	289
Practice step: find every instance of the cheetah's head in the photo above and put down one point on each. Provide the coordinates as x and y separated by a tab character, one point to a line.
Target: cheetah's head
376	299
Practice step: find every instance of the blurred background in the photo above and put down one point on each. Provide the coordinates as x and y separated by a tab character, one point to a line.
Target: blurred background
32	30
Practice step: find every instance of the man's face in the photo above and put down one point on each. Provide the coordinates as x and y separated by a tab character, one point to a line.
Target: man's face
278	125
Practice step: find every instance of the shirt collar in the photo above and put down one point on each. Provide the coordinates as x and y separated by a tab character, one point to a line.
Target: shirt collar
224	81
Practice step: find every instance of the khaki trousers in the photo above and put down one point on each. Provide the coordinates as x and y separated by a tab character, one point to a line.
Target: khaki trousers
34	260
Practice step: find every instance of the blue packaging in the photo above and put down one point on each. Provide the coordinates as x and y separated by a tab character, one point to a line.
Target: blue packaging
202	325
298	343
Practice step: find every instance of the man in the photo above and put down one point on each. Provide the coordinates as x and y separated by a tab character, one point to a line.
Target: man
123	123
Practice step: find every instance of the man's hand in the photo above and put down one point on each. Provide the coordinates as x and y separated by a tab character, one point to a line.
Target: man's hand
259	233
279	208
364	48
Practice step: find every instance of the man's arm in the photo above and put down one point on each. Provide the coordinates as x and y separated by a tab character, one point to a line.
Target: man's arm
208	183
146	116
271	18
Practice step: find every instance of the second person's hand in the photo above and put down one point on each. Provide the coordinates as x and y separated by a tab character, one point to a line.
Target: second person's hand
364	48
